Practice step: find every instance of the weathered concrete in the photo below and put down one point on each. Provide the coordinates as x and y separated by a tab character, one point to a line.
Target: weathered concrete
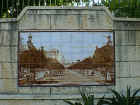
127	51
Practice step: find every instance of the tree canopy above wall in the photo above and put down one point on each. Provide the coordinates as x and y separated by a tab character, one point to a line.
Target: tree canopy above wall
11	8
123	8
119	8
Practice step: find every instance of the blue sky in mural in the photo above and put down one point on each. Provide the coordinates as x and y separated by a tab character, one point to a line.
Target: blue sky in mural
72	45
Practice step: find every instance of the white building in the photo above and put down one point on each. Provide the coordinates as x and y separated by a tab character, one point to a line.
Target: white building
55	54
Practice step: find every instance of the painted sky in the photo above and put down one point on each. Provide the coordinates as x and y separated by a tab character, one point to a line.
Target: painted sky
73	45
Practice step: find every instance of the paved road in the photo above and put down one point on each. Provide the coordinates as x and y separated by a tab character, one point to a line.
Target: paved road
71	76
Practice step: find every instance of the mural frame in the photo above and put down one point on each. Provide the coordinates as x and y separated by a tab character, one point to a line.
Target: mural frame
39	85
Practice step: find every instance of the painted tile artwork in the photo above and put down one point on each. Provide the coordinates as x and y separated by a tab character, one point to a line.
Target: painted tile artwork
65	58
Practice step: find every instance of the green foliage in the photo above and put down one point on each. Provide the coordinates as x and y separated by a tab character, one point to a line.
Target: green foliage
120	8
87	99
123	8
120	99
11	8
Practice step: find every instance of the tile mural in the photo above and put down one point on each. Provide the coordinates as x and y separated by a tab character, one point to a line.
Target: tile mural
65	58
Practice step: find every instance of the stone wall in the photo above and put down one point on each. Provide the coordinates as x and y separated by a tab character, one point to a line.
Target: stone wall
127	50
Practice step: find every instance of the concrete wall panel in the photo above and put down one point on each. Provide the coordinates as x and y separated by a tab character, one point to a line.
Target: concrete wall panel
8	54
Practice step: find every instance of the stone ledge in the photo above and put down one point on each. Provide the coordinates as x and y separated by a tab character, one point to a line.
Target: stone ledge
23	12
7	20
45	97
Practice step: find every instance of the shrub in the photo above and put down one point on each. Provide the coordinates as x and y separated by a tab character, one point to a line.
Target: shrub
121	99
87	99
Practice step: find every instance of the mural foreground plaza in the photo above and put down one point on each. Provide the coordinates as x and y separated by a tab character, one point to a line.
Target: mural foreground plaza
65	58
